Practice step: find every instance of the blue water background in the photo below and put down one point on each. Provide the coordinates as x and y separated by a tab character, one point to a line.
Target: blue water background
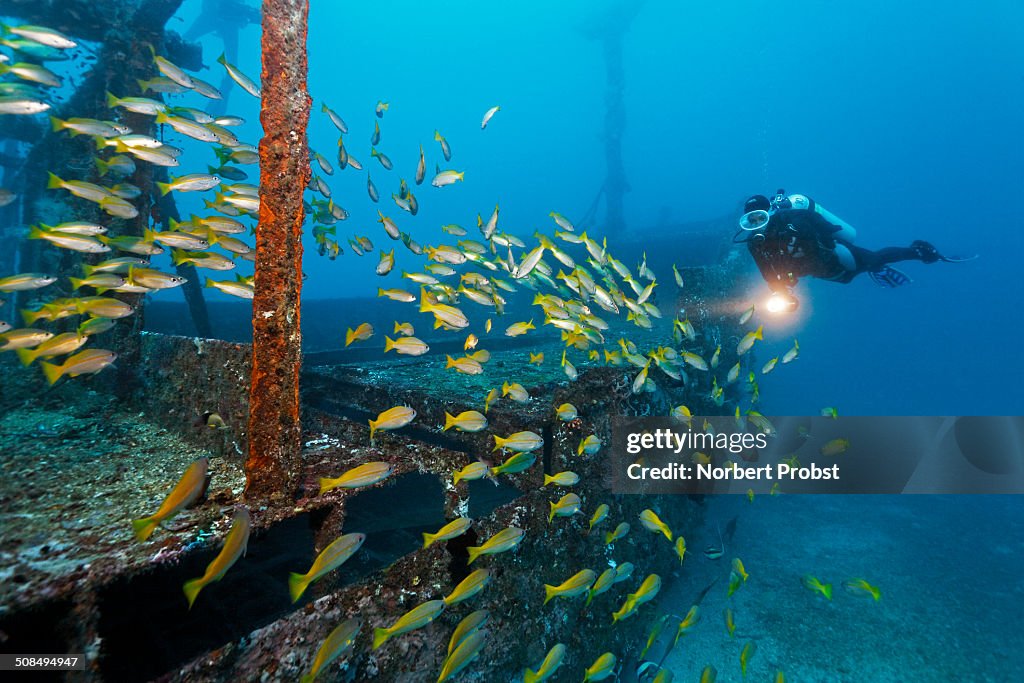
902	118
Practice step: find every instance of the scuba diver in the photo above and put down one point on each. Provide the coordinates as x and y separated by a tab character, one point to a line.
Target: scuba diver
793	236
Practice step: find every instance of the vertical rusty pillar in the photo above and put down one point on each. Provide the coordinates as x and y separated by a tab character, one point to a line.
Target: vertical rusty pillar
275	432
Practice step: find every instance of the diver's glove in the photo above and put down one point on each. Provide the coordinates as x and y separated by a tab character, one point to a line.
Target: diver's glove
925	251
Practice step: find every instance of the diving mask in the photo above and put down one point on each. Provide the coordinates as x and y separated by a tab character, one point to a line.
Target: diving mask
754	220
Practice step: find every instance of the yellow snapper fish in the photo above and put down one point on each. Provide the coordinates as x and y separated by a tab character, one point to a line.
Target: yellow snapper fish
829	412
392	418
514	464
747	315
462	656
366	474
471	472
518	329
387	262
246	83
23	338
471	623
232	288
565	478
624	612
503	541
407	346
468	421
623	571
25	281
748	340
577	584
621	530
812	584
448	177
567	505
523	442
87	362
452	529
688	622
335	119
465	365
835	447
709	674
694	361
682	414
101	282
737	566
471	341
515	391
680	548
861	587
730	621
602	668
770	365
589	445
488	115
193	182
600	514
64	343
569	368
153	279
339	642
329	559
547	668
83	243
566	412
791	355
748	652
492	396
43	35
363	332
234	547
185	492
641	379
103	307
444	314
735	581
404	329
605	581
417	617
536	358
562	221
734	374
652	522
468	587
656	628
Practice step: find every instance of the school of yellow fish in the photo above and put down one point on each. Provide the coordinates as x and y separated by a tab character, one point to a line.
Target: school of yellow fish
574	294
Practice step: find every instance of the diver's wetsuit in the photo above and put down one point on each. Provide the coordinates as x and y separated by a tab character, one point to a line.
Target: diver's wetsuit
801	242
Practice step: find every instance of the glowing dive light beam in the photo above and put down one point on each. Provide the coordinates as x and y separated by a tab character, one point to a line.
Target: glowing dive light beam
779	303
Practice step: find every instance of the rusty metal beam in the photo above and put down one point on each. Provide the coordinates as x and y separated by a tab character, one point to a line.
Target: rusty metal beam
275	432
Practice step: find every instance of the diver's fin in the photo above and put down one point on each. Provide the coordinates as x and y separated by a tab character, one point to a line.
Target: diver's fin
889	277
957	259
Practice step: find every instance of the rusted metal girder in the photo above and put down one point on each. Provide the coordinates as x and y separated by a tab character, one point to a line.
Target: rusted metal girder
275	432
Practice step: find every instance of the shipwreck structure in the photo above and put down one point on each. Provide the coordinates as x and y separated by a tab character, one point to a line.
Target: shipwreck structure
77	581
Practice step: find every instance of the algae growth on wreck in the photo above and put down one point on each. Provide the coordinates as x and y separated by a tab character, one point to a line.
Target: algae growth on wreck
272	274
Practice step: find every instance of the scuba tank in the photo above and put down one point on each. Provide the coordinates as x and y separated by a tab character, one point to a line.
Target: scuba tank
846	232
